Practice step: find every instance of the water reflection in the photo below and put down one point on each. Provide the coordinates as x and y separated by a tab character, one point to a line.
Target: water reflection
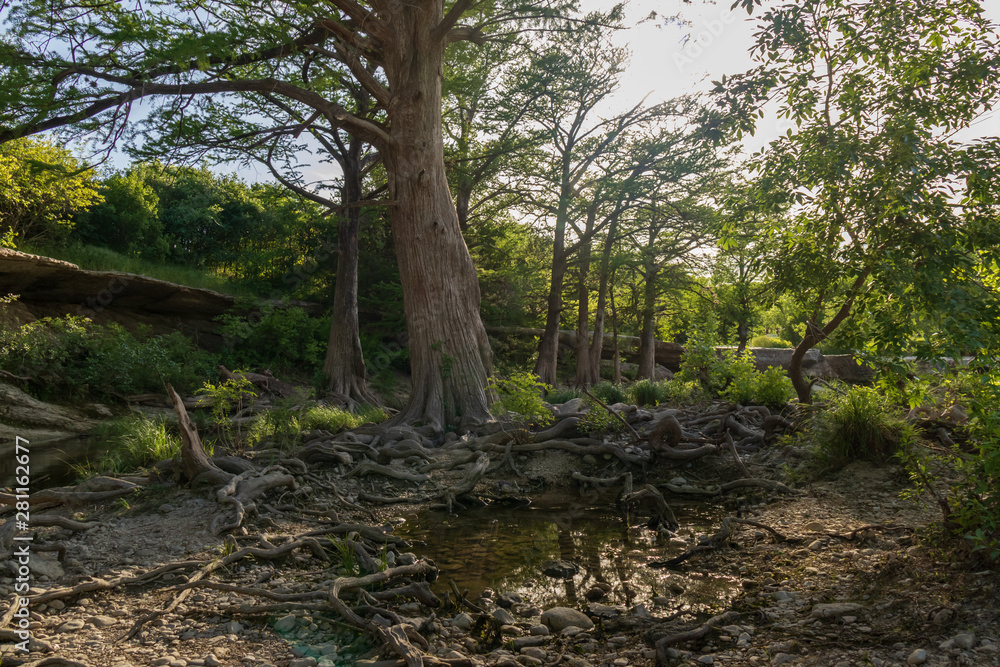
51	461
504	549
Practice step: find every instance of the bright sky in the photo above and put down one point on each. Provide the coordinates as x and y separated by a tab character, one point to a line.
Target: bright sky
674	58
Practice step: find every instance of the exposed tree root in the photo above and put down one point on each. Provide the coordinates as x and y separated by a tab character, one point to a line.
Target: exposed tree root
243	489
664	643
256	552
720	538
92	491
467	484
662	514
369	468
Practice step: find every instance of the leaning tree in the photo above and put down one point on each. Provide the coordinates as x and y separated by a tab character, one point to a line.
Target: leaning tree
886	205
85	66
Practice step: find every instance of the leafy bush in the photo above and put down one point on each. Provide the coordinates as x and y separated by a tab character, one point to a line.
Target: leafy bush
678	391
609	393
974	499
599	420
769	341
72	356
858	425
276	338
734	377
702	364
227	397
521	393
773	388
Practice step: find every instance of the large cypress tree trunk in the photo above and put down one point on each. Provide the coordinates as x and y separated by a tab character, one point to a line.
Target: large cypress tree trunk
450	357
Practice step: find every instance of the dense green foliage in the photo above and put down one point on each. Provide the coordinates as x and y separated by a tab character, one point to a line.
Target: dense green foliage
71	357
42	186
520	395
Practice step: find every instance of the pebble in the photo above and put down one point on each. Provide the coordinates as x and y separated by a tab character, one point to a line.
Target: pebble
918	657
782	658
285	623
538	630
71	626
965	641
706	660
102	621
535	652
303	662
835	609
462	621
522	642
504	616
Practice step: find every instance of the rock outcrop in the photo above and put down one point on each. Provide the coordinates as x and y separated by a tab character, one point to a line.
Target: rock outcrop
51	288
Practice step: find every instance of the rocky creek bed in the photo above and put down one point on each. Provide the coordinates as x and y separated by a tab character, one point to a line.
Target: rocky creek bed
298	559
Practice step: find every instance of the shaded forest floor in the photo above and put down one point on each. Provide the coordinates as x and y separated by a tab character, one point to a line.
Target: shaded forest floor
841	571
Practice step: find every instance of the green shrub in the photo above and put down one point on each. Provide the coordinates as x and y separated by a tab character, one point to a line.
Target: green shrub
858	425
974	499
702	364
599	420
769	341
773	388
72	356
609	393
276	338
132	443
646	393
740	375
520	393
558	396
678	391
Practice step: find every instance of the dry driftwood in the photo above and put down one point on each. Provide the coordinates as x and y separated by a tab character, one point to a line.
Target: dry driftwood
195	463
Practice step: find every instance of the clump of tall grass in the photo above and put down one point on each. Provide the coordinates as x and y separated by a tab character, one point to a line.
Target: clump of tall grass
858	425
133	443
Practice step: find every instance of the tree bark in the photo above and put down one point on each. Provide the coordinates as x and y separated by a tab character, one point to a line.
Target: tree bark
815	335
450	357
583	377
617	373
548	346
602	296
344	365
647	338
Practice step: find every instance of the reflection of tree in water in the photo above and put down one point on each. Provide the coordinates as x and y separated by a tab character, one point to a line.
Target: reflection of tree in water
504	549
